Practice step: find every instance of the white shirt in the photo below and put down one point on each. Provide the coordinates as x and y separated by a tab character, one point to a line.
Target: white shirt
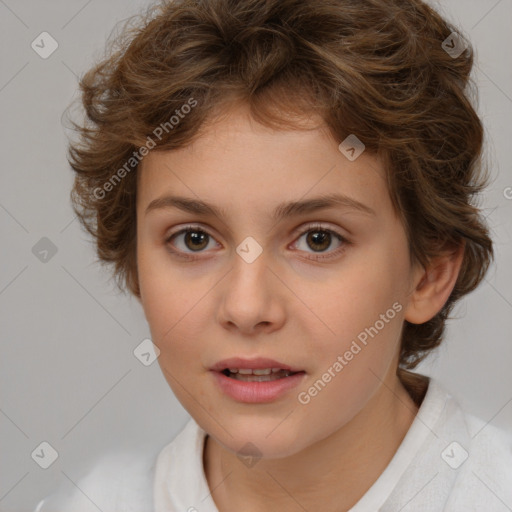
448	461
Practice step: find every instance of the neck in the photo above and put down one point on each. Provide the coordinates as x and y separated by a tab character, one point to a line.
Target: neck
331	475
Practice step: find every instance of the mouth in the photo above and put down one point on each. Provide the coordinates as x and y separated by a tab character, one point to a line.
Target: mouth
259	369
259	380
258	374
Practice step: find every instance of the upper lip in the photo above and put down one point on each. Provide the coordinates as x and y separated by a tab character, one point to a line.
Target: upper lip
252	364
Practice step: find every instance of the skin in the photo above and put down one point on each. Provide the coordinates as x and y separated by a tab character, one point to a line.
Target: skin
326	454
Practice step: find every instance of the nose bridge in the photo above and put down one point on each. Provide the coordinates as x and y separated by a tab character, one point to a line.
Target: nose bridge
249	278
248	295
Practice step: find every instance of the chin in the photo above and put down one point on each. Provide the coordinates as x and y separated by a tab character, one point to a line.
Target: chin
260	439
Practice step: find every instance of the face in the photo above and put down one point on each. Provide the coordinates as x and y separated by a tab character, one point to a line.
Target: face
320	288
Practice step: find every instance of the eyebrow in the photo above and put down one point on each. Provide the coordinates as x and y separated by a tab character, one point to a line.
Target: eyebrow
284	210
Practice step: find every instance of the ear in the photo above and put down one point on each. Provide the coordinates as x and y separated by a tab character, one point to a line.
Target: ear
433	285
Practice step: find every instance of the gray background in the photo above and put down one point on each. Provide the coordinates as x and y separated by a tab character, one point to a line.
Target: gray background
68	373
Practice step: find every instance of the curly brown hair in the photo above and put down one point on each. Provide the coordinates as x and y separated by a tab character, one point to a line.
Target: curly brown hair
379	69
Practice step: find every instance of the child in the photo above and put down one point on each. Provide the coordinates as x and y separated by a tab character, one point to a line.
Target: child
288	187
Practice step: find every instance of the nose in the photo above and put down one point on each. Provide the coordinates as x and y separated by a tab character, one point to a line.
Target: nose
252	298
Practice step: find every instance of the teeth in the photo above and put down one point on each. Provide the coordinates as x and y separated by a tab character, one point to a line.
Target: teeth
250	371
266	371
259	378
258	374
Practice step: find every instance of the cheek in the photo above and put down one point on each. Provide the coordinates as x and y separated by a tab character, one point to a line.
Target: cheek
350	366
361	309
161	292
174	307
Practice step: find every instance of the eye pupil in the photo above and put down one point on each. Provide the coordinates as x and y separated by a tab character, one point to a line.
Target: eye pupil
198	239
318	237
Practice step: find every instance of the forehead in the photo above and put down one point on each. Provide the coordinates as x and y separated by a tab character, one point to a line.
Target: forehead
237	163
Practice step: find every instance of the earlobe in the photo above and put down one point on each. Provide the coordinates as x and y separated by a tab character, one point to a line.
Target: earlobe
433	286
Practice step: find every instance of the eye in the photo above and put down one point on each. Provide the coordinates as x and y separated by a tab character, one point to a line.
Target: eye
191	238
320	238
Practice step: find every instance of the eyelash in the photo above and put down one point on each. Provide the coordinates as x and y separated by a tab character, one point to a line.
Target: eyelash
306	230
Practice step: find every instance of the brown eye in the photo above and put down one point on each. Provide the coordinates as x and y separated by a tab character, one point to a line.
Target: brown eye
318	240
196	240
189	240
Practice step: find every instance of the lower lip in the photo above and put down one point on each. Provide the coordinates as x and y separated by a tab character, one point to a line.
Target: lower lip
257	392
